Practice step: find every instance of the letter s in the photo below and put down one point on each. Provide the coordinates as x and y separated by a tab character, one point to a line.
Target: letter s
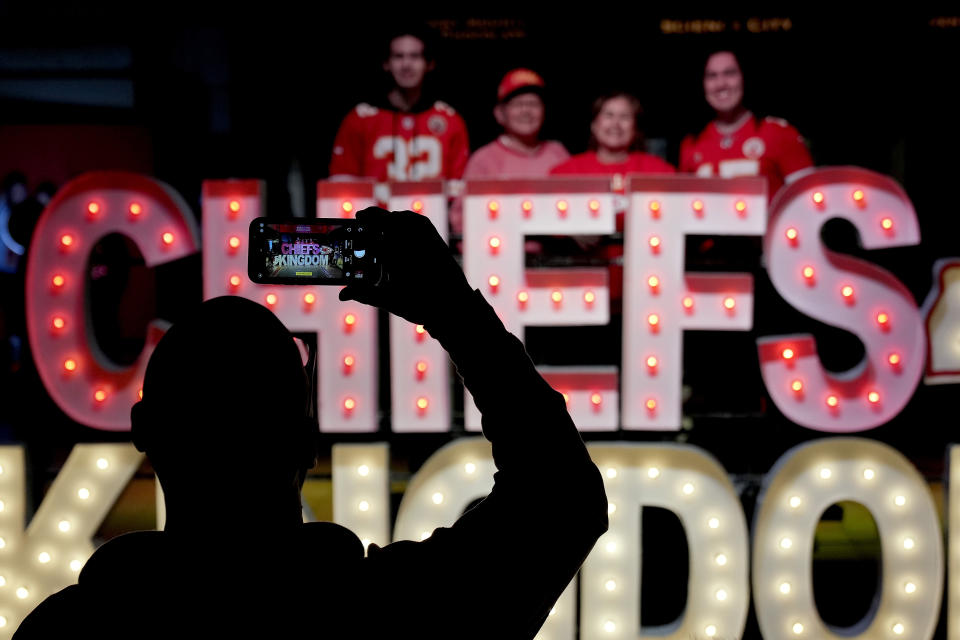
75	372
844	292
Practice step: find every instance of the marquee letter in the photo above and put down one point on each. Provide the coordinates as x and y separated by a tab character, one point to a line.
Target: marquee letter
942	312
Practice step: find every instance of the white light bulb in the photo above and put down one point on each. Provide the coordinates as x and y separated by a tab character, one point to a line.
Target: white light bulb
3	581
3	621
611	547
470	467
653	472
797	628
869	474
64	526
611	473
2	505
1	470
43	558
553	610
908	543
3	543
424	535
102	463
784	588
900	500
610	585
364	505
713	523
363	470
786	543
609	626
75	565
825	474
795	502
910	587
22	593
898	628
721	595
721	559
611	507
687	489
437	498
83	493
710	630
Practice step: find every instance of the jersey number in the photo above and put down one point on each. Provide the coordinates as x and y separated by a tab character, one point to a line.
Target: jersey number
415	159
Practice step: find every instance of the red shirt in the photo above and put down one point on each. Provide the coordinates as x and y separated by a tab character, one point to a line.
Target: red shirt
587	164
399	145
497	160
769	147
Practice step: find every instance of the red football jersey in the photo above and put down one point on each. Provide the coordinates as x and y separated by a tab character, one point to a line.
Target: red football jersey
402	146
588	164
769	147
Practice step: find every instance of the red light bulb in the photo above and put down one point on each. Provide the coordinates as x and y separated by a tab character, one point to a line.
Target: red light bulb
167	238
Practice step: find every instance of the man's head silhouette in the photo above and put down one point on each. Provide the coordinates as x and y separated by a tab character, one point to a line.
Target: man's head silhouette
225	394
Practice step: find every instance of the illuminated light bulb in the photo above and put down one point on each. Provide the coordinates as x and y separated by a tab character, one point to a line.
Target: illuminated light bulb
437	498
552	611
419	330
493	281
687	303
688	489
651	404
611	473
909	543
102	463
729	304
75	565
422	403
653	282
825	473
421	367
710	630
900	500
271	299
43	558
22	593
653	472
1	470
792	234
787	353
349	404
140	393
653	319
234	242
83	493
3	622
366	542
594	206
847	292
234	206
833	401
59	323
610	585
3	581
786	543
596	398
873	397
652	362
347	206
740	206
556	296
417	206
589	297
797	386
611	508
785	588
494	243
654	242
135	209
2	505
898	628
910	587
566	398
363	470
64	526
887	224
100	395
698	206
309	298
523	297
795	502
493	206
797	628
609	626
93	208
167	238
808	272
721	594
713	523
720	559
883	319
3	543
655	208
351	320
66	240
234	280
869	474
859	196
424	535
818	197
562	206
58	280
894	359
611	547
470	468
363	505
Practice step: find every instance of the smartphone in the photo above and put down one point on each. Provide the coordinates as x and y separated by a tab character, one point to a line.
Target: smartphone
338	251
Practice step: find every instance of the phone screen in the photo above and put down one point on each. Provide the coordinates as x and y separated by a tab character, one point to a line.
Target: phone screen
320	251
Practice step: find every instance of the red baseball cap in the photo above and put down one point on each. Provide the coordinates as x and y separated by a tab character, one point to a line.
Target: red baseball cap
517	81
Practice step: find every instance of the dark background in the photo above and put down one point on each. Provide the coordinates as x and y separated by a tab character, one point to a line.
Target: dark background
187	95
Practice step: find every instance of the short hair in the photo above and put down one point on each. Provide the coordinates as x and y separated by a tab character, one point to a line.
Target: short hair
419	31
635	105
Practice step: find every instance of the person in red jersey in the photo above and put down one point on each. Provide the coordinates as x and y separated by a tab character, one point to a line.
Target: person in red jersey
408	136
736	142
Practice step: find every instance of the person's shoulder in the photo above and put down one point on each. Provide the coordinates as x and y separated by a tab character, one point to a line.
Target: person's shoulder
651	163
575	163
363	111
555	148
444	108
777	125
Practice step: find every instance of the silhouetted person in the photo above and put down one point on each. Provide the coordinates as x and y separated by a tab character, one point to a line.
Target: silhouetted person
225	395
